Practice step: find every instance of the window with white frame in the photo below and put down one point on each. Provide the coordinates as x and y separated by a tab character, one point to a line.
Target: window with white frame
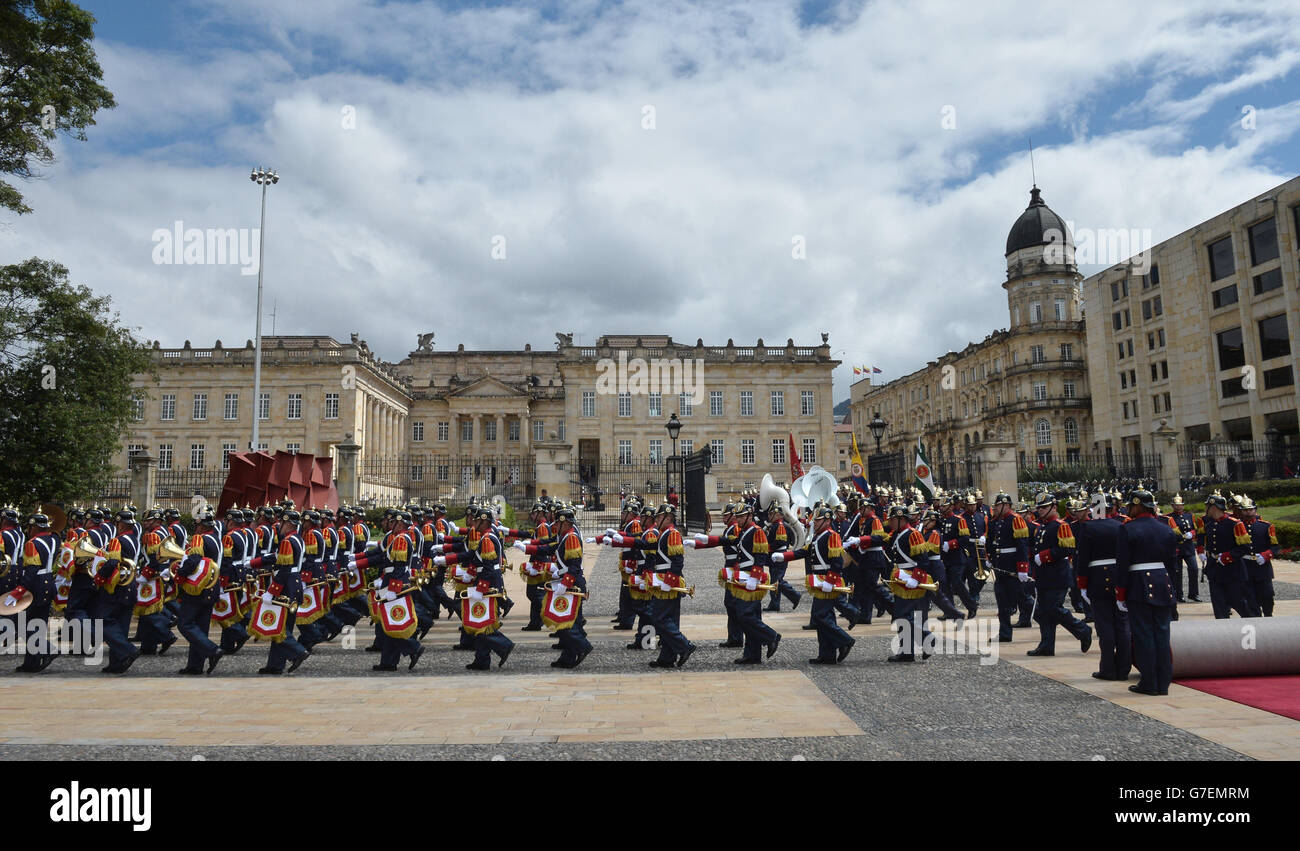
1067	389
747	451
806	407
197	453
719	449
655	405
295	406
1040	390
264	406
331	406
778	403
466	430
747	403
293	448
442	471
778	450
444	430
417	472
625	452
1071	431
625	404
810	450
230	407
685	405
168	411
539	431
164	456
137	407
512	431
417	432
490	431
688	446
200	406
715	403
1043	431
226	449
656	450
589	403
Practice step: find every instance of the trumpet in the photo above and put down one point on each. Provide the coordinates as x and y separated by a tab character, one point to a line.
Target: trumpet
85	549
689	592
927	586
169	550
741	586
464	595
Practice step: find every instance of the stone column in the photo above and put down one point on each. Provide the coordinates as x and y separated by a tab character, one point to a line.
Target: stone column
501	435
346	470
144	473
998	467
1164	441
476	444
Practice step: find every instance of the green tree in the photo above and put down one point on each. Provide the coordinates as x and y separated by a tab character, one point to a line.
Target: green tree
66	365
49	82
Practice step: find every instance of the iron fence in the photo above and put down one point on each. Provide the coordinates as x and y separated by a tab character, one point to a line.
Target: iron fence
598	484
1103	466
183	484
1215	461
439	478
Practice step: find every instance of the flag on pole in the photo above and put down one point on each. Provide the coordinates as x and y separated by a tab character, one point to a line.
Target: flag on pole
858	472
875	369
857	371
796	466
924	476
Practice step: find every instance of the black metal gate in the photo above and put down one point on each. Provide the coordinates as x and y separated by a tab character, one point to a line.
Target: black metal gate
693	515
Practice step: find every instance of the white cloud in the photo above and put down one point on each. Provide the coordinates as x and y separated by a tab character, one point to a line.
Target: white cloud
472	124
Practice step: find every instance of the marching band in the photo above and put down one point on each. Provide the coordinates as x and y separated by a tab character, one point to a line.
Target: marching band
296	579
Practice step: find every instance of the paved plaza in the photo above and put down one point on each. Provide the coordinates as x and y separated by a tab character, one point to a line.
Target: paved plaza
953	706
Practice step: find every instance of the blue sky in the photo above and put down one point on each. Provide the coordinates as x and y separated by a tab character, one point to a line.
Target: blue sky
774	121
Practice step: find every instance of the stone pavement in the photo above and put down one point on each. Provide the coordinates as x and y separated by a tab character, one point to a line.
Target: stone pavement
951	707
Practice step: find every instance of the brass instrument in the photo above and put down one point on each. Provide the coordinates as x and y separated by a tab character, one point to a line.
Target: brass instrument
464	595
925	586
169	550
85	549
982	571
689	592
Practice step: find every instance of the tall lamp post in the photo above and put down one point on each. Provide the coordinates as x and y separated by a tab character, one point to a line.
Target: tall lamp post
674	428
877	427
263	177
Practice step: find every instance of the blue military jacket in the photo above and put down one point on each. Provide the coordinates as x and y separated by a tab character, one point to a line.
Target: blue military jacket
1145	552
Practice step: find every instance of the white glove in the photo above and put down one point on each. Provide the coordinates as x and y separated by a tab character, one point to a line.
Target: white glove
1187	536
1260	558
779	558
266	597
751	584
659	583
522	547
616	538
629	570
558	588
943	547
701	538
388	595
1024	577
1083	592
911	582
1038	560
823	585
988	564
166	575
589	540
440	560
378	583
852	542
981	541
474	594
689	542
462	575
1121	605
611	531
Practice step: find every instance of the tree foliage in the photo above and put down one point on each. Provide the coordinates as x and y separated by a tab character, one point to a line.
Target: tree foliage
66	365
49	82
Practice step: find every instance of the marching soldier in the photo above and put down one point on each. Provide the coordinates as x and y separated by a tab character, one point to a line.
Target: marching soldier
976	547
727	540
864	542
279	600
1008	540
628	607
934	566
778	538
197	577
910	552
397	622
954	535
1226	543
562	556
1259	561
664	550
40	558
480	561
232	599
823	555
1144	553
1189	527
752	556
114	576
1054	548
153	625
537	569
1096	577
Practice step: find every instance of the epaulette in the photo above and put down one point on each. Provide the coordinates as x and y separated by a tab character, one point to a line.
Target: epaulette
834	545
285	556
1272	534
760	542
572	547
196	545
1240	533
675	547
1018	527
228	545
1065	536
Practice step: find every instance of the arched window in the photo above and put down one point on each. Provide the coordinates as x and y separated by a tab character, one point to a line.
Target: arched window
1071	431
1043	429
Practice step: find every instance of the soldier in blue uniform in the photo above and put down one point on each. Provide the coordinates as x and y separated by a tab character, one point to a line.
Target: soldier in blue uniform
779	538
753	556
864	542
823	555
1145	551
910	550
727	540
562	552
1008	551
39	558
1187	530
977	547
114	576
1054	548
1226	543
286	583
198	577
394	558
1095	575
954	535
1259	561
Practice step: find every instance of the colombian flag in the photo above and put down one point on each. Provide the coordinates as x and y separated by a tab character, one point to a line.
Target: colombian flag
859	473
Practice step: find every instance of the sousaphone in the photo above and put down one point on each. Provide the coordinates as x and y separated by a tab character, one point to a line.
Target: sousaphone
769	494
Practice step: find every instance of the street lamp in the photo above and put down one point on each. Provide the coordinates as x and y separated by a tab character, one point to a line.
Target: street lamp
877	426
674	428
263	177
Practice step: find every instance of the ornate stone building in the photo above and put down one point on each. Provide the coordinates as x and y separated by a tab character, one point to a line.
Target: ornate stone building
1029	383
450	423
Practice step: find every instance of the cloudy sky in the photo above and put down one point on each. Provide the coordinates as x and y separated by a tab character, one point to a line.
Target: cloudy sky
648	167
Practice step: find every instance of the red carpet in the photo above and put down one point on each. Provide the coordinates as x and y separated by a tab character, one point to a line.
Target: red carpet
1279	695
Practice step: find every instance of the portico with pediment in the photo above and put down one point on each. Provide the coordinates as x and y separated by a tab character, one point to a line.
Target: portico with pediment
490	413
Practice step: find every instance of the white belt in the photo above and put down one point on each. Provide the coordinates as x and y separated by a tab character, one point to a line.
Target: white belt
875	549
1100	561
1006	550
45	571
746	563
1147	565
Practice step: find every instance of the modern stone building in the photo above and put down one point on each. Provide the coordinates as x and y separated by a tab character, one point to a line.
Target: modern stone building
1028	383
1197	334
449	423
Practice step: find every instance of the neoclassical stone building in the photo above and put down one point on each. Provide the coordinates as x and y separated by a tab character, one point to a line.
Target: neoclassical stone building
439	423
1029	383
